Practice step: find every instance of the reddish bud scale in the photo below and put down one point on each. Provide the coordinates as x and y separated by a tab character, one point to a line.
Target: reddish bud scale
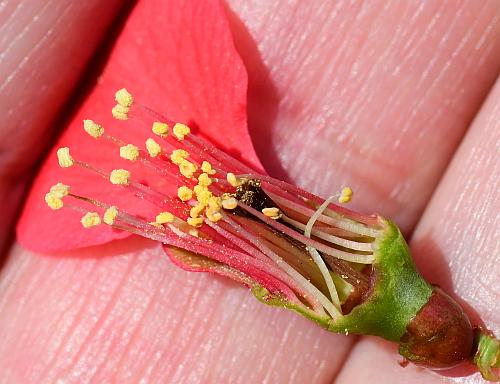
440	336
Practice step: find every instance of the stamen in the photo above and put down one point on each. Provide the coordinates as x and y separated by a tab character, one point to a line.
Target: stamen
296	194
199	189
178	156
207	168
229	203
124	98
334	312
317	257
181	131
90	219
355	245
184	193
195	221
272	267
347	256
92	128
193	232
110	215
129	152
153	147
119	177
203	195
164	218
120	112
160	129
196	210
213	215
60	190
187	169
54	201
274	213
345	195
329	217
204	180
64	157
233	180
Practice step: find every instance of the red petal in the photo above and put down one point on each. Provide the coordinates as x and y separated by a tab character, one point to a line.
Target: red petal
176	57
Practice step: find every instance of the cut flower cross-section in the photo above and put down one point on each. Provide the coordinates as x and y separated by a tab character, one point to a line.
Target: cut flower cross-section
349	272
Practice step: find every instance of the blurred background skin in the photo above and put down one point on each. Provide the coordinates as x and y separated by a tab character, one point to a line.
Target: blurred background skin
408	80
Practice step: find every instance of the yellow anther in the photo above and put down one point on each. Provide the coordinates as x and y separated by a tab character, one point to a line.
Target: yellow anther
90	219
213	215
160	129
204	180
187	169
110	215
129	152
273	213
53	201
124	98
193	232
184	193
198	189
181	130
153	147
120	112
233	180
347	191
60	190
207	168
214	203
178	156
204	196
156	225
229	203
119	176
64	158
195	221
345	195
164	218
197	210
92	128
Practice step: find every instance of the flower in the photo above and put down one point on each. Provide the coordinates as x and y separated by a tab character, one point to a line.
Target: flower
129	151
215	213
349	272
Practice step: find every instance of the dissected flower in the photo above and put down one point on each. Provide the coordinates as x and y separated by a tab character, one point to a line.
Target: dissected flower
349	272
145	174
217	208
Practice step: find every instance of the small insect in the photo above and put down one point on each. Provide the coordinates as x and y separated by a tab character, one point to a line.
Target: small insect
346	271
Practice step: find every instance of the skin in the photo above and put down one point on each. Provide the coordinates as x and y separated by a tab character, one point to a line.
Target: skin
417	86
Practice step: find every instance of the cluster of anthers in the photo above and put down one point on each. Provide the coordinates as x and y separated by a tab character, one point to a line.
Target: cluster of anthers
305	249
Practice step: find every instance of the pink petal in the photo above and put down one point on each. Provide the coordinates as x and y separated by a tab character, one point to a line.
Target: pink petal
177	58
